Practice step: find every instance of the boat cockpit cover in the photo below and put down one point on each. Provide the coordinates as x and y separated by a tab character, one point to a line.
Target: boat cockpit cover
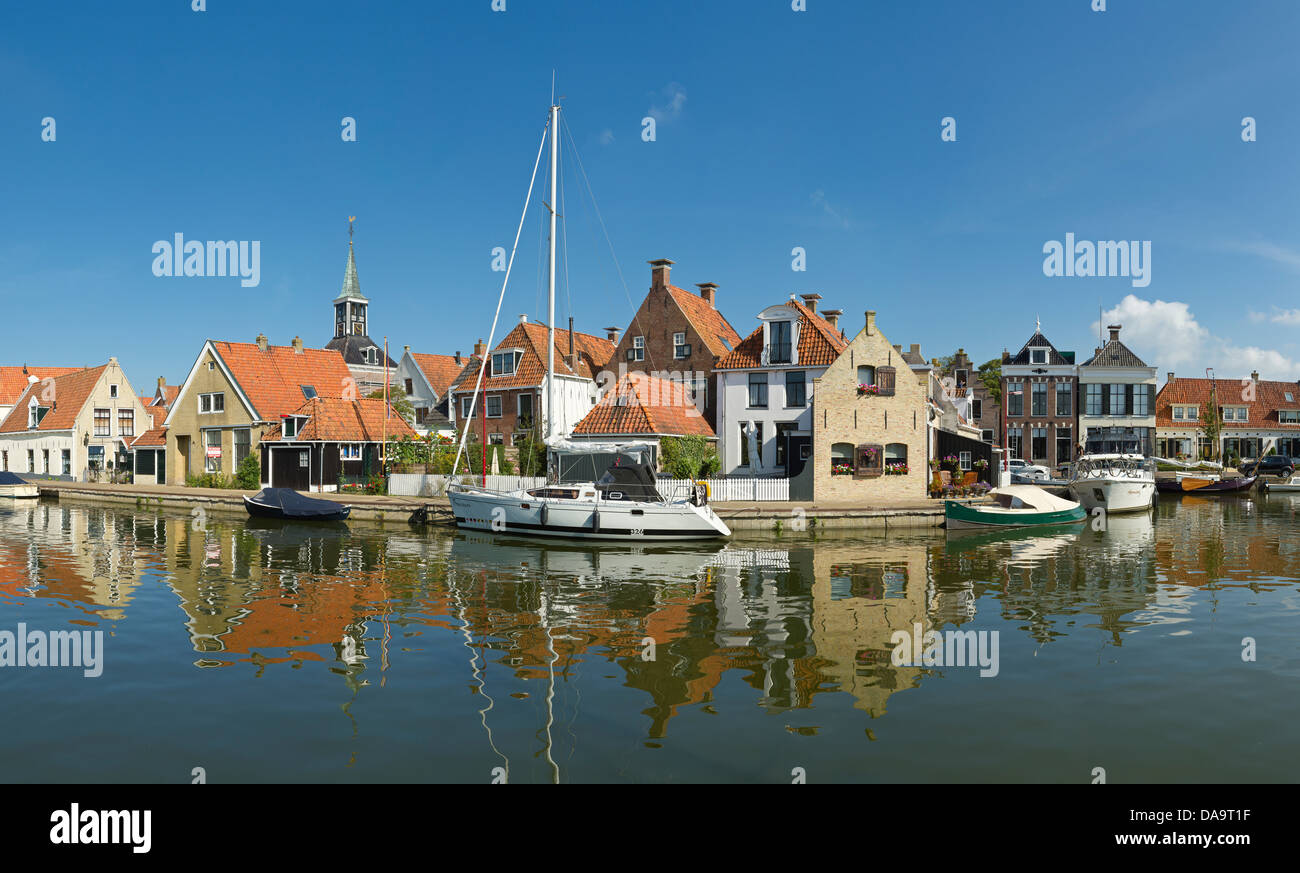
7	478
633	481
295	504
1032	497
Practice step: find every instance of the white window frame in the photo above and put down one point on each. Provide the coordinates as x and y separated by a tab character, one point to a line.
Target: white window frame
94	421
350	451
1034	354
638	348
679	345
487	405
112	392
210	398
465	405
289	427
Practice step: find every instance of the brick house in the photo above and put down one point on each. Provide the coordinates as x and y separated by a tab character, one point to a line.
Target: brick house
1039	403
1258	417
857	436
981	410
766	386
678	332
514	388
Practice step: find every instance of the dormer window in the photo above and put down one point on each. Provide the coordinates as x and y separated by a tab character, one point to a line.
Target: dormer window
505	363
292	425
35	413
779	349
1038	356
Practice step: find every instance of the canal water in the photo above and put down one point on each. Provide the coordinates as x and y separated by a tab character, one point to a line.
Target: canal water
1162	648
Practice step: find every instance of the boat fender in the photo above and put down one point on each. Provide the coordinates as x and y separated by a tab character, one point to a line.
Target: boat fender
595	521
546	514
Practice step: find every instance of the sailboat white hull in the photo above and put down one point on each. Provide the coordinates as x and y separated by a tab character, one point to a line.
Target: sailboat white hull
1113	495
520	513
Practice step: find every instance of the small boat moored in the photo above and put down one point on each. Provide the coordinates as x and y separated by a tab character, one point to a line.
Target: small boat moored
1014	506
285	503
12	485
1115	482
1293	485
1189	483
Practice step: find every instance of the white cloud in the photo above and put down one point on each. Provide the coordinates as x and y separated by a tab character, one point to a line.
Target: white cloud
1168	337
1289	317
669	106
819	198
1278	254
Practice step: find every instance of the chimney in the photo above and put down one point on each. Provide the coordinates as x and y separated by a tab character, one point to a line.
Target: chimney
612	334
1114	331
406	349
1254	375
916	349
898	347
161	381
810	300
871	322
262	342
709	291
1170	376
297	345
457	357
832	317
480	347
659	271
523	318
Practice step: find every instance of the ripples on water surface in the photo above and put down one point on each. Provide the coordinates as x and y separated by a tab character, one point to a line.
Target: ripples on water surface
363	654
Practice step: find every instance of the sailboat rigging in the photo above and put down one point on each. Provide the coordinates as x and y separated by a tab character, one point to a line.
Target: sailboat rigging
622	504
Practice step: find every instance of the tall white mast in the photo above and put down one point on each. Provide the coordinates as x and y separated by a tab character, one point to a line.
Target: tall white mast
550	314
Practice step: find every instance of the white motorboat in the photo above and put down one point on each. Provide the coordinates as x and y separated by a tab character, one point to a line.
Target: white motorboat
1292	485
15	486
1114	482
623	503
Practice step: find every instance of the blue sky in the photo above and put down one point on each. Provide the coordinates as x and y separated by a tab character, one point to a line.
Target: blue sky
777	129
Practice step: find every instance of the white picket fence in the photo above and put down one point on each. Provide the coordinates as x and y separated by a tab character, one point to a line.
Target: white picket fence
428	485
733	488
720	489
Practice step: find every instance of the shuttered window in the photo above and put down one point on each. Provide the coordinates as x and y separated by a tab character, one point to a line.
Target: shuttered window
886	377
868	461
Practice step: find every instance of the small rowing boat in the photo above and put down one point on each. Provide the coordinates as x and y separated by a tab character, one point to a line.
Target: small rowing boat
285	503
1187	483
1289	486
1013	506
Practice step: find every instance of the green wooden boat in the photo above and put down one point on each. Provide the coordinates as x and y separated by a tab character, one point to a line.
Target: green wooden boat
1014	506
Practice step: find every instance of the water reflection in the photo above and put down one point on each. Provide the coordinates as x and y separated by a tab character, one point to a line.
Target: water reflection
543	634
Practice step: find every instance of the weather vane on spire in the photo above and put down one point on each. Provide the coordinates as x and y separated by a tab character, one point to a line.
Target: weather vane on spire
1038	322
351	218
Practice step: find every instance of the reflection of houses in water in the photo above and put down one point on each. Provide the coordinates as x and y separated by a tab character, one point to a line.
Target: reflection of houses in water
91	557
860	597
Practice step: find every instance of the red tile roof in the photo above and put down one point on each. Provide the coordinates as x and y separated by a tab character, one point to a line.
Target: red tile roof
1269	398
709	323
645	405
819	343
13	380
69	394
334	420
155	437
273	380
169	392
157	413
593	354
440	370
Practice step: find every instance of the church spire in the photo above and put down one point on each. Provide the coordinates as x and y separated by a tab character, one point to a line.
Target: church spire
351	284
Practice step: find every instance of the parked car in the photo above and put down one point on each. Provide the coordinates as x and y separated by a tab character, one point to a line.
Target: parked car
1024	470
1272	465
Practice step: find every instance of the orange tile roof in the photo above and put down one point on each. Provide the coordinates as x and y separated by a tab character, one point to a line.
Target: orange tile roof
644	404
708	322
155	437
273	380
157	413
593	354
334	420
170	393
819	343
69	394
13	380
440	370
1269	398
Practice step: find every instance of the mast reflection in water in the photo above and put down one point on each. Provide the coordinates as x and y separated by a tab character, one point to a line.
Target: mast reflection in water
356	654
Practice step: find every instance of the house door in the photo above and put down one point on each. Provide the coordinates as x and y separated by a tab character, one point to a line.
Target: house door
291	468
182	460
796	454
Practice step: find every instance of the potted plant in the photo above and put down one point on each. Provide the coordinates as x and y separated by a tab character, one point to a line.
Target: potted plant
865	389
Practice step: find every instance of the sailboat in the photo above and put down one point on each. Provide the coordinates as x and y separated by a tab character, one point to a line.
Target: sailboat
622	504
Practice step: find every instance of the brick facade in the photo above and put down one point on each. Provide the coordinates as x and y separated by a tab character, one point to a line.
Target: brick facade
965	374
1056	422
668	310
895	424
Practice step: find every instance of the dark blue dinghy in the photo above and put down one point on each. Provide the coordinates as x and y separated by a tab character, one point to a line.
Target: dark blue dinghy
285	503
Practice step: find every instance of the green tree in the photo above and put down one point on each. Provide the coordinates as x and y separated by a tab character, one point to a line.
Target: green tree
398	400
1212	427
990	375
248	475
532	456
688	457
